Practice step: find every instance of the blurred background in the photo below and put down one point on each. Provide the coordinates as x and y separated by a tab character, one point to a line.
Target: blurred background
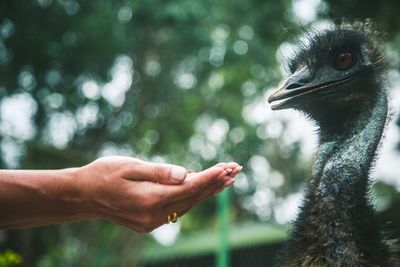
183	82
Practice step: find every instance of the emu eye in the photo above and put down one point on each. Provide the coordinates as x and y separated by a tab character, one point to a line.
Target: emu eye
343	61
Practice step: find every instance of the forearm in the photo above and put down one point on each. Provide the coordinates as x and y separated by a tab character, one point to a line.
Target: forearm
39	197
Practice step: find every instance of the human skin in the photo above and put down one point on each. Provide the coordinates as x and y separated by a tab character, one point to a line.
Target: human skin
123	190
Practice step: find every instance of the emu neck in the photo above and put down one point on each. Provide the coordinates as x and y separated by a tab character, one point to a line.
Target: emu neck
345	155
337	224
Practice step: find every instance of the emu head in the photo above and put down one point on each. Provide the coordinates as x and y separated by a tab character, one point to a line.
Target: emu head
333	75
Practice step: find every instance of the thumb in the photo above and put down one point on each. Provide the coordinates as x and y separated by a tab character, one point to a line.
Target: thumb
159	172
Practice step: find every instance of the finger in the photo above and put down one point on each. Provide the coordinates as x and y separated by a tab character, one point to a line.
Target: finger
182	207
228	181
156	172
188	203
189	188
231	167
226	185
235	171
227	166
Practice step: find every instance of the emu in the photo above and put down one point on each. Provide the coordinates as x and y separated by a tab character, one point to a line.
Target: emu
338	80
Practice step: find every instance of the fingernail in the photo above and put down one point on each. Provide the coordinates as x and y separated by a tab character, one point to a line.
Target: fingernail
178	173
229	170
239	168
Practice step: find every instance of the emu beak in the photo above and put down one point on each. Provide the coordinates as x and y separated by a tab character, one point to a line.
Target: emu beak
293	87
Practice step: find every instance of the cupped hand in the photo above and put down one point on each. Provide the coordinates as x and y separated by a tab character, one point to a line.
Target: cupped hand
140	195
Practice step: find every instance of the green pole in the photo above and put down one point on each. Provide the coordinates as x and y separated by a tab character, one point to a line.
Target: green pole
223	229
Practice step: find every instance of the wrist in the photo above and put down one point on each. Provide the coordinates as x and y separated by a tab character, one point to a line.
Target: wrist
74	199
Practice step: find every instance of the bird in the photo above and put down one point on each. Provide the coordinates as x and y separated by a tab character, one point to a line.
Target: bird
338	79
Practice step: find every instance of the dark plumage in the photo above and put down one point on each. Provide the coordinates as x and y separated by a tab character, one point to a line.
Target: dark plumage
338	80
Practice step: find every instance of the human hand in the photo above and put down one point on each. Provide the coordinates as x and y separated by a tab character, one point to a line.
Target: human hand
140	195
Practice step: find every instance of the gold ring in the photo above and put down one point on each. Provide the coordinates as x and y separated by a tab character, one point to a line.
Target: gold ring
175	218
172	218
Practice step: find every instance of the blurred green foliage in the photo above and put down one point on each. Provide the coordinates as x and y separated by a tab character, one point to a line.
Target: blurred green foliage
176	81
9	258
